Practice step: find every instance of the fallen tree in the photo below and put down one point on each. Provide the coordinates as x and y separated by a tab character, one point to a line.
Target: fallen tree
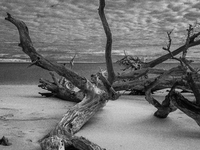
135	68
190	108
93	99
131	80
92	96
175	99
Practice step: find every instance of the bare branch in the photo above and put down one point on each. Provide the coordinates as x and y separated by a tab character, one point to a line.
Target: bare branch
166	107
169	46
72	62
37	59
94	97
170	42
111	74
194	87
163	58
188	107
189	30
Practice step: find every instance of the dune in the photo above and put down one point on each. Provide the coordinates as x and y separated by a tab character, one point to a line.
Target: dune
125	124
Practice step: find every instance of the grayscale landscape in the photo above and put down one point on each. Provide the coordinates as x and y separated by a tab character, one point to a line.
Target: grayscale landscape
61	90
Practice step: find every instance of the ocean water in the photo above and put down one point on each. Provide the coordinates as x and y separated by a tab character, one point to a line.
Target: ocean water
19	73
61	28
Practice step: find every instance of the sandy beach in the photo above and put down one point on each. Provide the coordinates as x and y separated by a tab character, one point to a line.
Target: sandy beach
125	124
127	39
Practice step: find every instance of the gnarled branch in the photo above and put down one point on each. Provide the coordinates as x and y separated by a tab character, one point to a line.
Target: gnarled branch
166	107
95	98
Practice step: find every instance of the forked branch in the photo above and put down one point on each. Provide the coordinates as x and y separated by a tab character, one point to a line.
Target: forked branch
190	42
166	107
27	47
62	136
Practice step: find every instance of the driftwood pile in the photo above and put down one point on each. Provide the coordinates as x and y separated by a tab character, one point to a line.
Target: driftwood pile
94	94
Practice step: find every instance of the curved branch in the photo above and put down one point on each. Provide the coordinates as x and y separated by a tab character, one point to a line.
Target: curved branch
109	65
189	108
60	91
163	58
166	107
194	86
95	98
27	47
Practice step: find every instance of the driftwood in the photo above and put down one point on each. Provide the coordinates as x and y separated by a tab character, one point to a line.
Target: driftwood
190	108
135	68
166	107
62	136
131	80
136	80
60	89
174	99
93	96
4	141
139	69
136	84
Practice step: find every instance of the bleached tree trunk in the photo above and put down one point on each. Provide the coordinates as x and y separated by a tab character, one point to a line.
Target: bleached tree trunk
62	136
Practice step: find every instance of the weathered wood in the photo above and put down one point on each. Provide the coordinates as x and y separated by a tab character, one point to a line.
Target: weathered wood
194	87
60	89
60	92
163	58
37	59
4	141
190	108
139	85
71	123
166	107
109	64
95	98
130	63
191	41
140	69
133	75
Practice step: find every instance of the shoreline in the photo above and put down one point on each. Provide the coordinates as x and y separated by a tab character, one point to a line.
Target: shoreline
76	62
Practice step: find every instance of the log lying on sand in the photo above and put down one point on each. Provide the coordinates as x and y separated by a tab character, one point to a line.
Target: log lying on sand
166	106
190	108
140	84
62	136
135	68
60	90
175	100
136	80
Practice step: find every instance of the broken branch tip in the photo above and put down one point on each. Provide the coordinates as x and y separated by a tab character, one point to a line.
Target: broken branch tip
8	16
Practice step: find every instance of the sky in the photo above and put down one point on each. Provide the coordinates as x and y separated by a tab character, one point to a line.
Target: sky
60	29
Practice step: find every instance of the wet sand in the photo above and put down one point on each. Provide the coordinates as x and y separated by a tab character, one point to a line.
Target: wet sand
124	124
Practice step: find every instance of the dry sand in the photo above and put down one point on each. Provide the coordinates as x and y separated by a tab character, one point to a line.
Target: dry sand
124	124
